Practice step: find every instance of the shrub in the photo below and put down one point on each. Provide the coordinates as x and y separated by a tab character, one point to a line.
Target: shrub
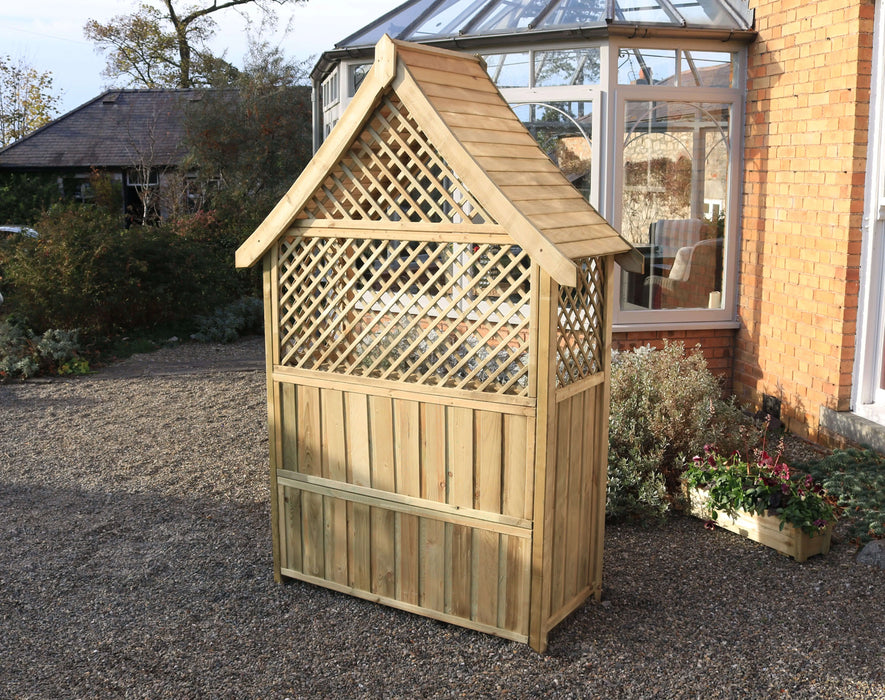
24	354
665	406
87	271
24	196
242	317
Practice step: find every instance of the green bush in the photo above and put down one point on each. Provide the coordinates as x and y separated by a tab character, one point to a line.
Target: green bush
87	271
242	317
24	196
666	406
24	354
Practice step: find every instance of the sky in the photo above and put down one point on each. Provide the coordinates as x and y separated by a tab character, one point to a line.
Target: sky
48	35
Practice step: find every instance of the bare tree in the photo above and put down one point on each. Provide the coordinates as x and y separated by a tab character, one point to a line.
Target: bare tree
166	46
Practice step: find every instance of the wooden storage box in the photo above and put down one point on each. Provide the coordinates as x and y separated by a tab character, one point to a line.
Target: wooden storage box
438	329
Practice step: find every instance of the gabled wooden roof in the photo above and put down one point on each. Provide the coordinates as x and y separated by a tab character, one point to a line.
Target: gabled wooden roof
428	143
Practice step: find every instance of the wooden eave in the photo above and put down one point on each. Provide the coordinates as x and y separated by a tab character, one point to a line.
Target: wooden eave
457	105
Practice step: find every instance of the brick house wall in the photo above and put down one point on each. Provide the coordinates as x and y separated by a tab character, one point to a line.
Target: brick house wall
806	137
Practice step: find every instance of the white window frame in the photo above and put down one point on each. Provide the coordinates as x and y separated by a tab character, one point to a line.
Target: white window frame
669	319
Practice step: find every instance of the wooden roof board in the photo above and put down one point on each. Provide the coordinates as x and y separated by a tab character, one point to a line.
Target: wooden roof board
454	102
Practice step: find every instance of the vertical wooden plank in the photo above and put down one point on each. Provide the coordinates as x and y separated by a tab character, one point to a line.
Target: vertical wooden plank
432	565
270	291
589	483
384	478
359	473
602	433
489	442
288	426
489	453
460	451
461	567
334	466
407	447
407	451
310	462
514	614
291	522
560	534
545	455
577	519
516	462
460	493
309	436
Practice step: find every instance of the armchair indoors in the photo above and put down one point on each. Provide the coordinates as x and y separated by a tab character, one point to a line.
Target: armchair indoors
696	272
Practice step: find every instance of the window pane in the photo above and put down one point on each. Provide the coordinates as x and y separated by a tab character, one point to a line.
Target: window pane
573	67
707	69
394	26
510	15
646	66
641	11
448	19
703	13
674	202
563	130
508	69
575	12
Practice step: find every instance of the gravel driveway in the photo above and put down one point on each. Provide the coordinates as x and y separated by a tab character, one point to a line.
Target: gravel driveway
135	562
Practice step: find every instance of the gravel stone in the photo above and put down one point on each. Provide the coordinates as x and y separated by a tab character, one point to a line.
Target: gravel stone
135	562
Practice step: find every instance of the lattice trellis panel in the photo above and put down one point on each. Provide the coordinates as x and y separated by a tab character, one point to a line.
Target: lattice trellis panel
432	313
581	324
393	173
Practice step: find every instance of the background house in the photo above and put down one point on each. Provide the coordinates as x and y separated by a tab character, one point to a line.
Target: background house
749	133
133	137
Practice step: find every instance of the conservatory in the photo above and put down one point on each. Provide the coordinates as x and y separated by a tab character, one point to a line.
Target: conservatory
639	103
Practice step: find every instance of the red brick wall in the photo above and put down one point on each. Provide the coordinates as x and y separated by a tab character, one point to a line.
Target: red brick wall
805	160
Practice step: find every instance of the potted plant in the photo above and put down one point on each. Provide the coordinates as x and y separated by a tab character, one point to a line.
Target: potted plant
761	499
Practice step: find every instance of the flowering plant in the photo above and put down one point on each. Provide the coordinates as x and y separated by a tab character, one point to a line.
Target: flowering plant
761	484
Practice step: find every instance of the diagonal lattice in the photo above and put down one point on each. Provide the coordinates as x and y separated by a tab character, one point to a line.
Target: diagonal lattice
393	173
432	313
581	339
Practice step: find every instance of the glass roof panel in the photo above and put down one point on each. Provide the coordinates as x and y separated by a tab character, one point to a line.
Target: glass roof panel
394	24
510	16
702	12
641	12
447	20
428	20
569	12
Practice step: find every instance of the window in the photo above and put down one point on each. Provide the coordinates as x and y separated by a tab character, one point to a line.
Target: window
563	131
330	90
675	173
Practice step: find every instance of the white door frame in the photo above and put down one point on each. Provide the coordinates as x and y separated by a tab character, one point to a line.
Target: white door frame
868	396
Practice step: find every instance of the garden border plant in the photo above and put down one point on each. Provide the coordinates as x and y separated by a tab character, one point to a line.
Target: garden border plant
666	405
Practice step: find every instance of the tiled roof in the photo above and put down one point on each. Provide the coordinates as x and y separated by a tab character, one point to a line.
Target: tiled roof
119	128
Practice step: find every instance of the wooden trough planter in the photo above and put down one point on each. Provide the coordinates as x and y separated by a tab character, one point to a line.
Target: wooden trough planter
764	529
437	313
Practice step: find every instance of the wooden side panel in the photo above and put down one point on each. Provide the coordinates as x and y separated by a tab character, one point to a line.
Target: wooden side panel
579	489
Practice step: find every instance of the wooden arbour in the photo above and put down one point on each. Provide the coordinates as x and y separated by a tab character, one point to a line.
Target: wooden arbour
437	312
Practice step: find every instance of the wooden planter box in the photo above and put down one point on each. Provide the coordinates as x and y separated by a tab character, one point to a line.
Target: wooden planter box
764	529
